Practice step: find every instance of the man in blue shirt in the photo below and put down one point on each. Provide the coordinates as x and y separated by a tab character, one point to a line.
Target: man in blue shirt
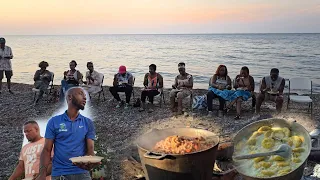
71	135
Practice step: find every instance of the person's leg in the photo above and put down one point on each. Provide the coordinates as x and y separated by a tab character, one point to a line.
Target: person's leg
128	92
152	94
238	107
63	89
180	96
172	95
260	99
1	77
210	96
114	91
8	76
143	100
222	102
279	103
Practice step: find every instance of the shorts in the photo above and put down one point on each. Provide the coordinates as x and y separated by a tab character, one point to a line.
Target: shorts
7	73
83	176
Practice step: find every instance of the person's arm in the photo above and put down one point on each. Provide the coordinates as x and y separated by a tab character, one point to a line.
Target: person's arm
145	80
45	159
229	86
115	80
36	75
130	81
263	85
252	85
10	54
236	82
190	82
65	75
213	82
80	77
175	83
160	78
97	80
281	87
18	171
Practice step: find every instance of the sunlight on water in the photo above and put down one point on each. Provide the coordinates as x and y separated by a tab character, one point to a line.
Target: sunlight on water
43	122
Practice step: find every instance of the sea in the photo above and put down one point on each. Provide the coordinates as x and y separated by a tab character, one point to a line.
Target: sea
295	55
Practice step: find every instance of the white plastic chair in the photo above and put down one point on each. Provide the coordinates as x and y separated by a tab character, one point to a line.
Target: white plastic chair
301	90
50	88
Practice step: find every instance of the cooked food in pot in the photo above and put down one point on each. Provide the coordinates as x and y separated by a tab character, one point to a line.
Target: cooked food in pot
182	145
266	139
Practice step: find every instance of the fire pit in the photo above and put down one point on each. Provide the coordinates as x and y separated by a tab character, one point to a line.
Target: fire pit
188	166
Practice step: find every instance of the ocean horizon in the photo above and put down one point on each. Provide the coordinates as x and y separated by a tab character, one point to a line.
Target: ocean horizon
295	54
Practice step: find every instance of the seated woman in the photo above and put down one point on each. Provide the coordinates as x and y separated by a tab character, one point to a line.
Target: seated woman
93	79
219	82
153	82
181	88
71	78
42	79
244	85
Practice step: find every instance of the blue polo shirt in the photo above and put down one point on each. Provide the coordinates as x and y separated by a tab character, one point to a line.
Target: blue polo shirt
69	138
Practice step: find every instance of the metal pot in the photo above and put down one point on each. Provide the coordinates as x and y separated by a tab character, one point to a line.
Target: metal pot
192	166
249	129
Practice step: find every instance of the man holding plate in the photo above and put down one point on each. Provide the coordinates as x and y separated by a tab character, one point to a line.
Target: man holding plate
271	89
71	135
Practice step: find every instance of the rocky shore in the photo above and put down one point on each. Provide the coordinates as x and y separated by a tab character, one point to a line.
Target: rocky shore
118	129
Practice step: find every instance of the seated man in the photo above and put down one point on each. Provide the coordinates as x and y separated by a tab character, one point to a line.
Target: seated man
122	82
153	82
94	79
42	79
29	159
271	89
181	88
71	78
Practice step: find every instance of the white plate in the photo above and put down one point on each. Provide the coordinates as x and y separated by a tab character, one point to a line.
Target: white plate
85	159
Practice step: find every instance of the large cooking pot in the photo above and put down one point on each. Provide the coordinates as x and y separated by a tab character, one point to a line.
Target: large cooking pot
247	131
192	166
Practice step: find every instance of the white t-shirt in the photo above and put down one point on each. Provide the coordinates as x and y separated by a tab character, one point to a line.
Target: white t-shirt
5	64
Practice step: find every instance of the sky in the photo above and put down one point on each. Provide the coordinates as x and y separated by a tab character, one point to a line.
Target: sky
41	17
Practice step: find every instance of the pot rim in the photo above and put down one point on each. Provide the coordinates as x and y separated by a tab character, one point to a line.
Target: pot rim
280	119
154	129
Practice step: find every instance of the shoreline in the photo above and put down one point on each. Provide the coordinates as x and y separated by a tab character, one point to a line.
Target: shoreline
118	129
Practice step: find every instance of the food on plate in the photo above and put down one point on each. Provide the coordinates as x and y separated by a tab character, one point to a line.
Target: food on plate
182	145
266	139
86	159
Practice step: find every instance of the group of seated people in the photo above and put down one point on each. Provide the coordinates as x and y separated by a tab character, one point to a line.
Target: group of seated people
220	86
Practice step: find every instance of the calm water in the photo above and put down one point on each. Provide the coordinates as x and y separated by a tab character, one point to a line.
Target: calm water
294	54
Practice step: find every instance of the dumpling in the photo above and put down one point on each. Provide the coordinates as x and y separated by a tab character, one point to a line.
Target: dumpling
264	128
277	158
268	143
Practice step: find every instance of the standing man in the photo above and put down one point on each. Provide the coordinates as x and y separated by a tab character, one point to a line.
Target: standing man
271	89
72	135
5	63
29	159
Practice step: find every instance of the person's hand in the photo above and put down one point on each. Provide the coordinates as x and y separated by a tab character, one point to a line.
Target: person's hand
65	73
87	166
266	90
220	87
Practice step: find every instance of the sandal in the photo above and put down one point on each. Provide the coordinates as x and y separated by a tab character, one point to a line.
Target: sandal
141	110
237	117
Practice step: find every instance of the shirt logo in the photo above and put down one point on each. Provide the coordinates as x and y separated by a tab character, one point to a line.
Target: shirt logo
63	127
80	126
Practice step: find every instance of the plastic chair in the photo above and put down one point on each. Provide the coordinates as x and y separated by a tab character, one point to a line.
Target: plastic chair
299	87
50	88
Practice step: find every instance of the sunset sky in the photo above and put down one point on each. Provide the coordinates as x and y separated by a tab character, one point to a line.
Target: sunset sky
19	17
